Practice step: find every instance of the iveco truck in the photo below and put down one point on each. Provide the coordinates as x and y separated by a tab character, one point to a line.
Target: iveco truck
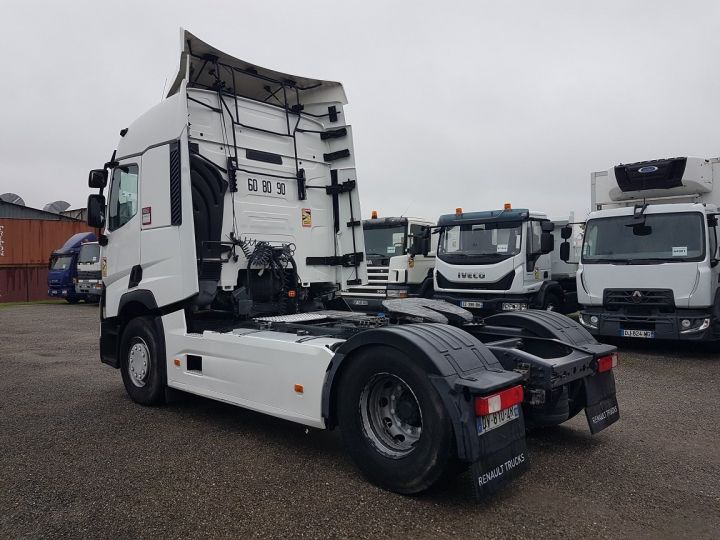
88	283
649	265
63	269
233	219
504	260
396	264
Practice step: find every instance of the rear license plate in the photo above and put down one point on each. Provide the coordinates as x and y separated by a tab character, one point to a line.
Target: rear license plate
476	305
647	334
495	420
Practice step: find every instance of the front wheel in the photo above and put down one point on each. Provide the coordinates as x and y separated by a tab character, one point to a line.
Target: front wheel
142	362
393	422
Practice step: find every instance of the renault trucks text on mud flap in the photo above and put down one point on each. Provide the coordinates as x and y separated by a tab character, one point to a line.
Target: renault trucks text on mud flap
62	268
649	266
233	217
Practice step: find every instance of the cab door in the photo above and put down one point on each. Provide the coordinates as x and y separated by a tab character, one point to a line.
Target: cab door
121	256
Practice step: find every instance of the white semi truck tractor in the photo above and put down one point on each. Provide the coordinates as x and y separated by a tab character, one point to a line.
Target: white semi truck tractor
503	260
233	219
649	266
396	266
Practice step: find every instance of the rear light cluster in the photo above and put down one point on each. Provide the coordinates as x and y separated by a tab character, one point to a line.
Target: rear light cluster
606	363
498	402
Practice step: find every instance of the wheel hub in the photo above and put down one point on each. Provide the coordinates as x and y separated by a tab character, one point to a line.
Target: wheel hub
391	415
139	362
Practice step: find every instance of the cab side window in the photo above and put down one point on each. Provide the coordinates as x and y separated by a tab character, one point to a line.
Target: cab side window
415	230
534	233
123	204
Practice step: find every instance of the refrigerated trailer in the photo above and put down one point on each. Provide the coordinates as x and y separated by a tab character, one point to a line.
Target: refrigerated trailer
649	266
233	219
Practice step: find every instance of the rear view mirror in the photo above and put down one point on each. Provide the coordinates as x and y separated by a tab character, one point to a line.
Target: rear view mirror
96	211
98	178
641	229
421	243
547	226
565	251
547	242
566	232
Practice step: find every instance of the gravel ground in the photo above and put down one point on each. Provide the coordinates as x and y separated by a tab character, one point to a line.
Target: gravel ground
78	458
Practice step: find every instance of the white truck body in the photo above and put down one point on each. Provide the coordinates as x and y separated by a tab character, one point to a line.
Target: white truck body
491	261
89	278
656	276
393	272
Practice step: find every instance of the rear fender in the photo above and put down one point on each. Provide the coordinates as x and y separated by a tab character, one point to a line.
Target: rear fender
458	365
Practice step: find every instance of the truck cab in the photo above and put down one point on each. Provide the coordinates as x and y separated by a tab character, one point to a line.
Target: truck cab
396	268
62	268
501	260
649	266
88	283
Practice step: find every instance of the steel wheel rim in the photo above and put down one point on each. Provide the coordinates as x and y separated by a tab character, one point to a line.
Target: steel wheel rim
139	362
391	415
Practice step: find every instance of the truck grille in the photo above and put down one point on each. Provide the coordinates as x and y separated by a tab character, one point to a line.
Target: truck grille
503	284
89	275
639	300
377	283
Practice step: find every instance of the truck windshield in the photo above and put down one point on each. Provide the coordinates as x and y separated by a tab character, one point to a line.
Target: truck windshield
676	237
89	253
385	241
61	262
485	241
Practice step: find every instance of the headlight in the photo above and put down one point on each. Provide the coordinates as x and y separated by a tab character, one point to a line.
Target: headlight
514	306
590	322
690	326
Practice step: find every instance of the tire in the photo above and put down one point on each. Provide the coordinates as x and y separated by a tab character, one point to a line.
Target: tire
404	465
142	362
552	302
72	300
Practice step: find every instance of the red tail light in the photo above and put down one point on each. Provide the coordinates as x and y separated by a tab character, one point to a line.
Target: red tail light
606	363
498	402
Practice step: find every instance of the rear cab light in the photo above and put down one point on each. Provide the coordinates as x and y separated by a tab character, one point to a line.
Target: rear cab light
608	362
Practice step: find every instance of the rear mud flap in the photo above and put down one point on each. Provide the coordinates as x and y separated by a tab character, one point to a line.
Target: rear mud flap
601	407
504	458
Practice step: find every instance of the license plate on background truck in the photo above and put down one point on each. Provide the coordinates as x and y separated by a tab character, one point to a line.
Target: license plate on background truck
647	334
476	305
495	420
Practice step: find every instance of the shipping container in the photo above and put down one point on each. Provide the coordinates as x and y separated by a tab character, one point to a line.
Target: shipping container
23	283
31	241
25	248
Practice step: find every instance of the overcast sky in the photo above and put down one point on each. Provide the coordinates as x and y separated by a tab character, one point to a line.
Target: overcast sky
453	103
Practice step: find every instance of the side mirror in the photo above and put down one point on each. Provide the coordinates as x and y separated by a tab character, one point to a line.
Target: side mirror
420	246
565	251
547	243
566	232
96	211
547	226
98	178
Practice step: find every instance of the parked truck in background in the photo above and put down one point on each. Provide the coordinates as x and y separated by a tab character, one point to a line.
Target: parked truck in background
649	266
232	221
504	260
88	283
63	268
396	268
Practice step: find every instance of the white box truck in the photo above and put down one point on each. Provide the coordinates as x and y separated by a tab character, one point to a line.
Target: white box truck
233	218
649	266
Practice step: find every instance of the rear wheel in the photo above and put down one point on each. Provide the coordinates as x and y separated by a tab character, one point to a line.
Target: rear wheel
72	300
142	362
394	423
